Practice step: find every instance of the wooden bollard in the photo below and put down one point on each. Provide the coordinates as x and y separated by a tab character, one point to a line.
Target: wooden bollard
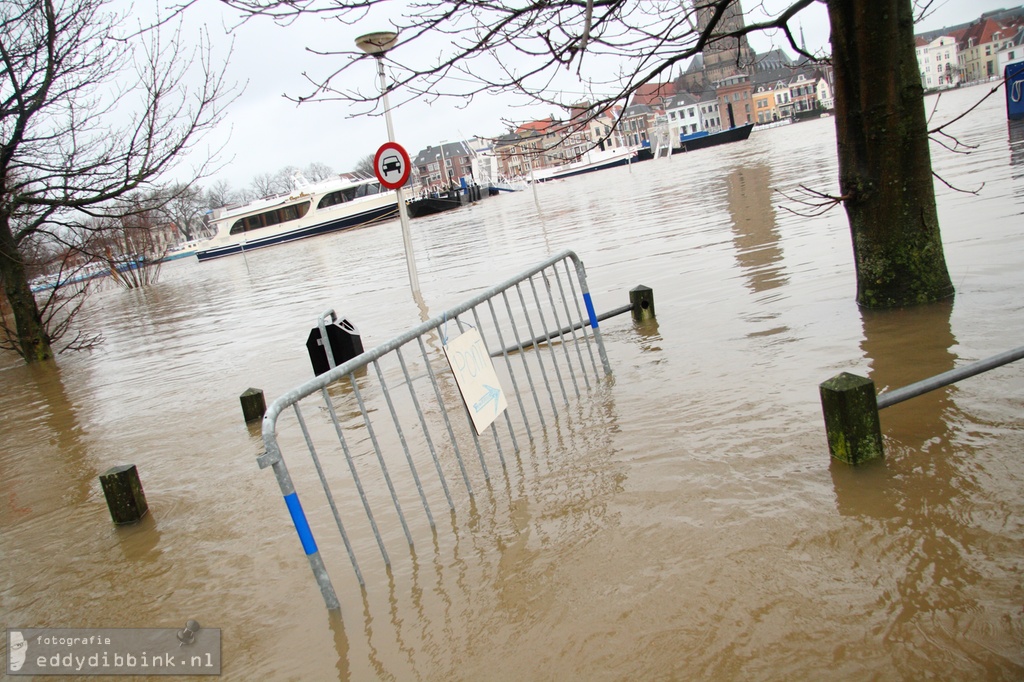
851	418
641	300
125	497
253	405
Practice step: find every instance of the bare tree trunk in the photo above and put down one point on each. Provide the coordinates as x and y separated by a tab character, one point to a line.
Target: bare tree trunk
33	343
885	172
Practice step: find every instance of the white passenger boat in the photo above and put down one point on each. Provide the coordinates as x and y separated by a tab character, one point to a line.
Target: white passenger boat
339	203
594	160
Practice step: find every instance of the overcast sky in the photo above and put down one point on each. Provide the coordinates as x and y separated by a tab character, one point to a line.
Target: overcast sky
264	132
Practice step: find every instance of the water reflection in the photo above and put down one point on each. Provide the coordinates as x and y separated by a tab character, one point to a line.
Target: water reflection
140	542
648	337
916	492
908	345
1015	134
52	421
755	234
341	647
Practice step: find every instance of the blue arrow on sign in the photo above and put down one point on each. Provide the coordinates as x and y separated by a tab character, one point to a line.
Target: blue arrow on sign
492	394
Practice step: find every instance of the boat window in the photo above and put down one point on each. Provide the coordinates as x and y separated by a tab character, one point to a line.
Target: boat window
349	193
337	197
267	218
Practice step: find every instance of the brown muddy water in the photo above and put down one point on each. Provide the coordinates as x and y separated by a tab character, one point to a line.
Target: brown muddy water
686	523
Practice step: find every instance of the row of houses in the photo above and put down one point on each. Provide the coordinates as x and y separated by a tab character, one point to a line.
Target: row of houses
719	89
971	52
658	113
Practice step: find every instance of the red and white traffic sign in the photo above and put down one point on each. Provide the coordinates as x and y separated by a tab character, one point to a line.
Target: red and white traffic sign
392	165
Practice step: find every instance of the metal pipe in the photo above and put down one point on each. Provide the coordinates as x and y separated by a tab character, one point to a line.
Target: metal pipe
947	378
563	331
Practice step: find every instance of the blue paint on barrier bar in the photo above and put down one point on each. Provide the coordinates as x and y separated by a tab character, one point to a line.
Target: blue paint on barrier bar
301	525
590	310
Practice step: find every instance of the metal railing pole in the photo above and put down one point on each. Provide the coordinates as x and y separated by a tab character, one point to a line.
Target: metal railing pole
946	378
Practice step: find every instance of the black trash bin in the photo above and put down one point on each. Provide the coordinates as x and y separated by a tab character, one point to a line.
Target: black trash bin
345	345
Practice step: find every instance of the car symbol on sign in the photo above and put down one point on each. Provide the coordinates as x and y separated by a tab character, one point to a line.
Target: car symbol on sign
392	164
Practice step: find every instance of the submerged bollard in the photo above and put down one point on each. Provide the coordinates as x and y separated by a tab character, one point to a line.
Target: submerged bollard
254	406
851	418
641	300
125	497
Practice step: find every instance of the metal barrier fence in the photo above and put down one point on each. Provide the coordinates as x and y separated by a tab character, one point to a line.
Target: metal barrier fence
398	403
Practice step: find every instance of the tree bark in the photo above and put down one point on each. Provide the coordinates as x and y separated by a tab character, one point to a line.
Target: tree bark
32	340
885	175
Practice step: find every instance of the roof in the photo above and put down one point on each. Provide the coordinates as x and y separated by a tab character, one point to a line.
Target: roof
542	126
637	110
450	150
984	31
653	93
772	60
682	99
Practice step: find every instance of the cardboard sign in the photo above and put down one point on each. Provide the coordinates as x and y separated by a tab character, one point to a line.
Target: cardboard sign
475	376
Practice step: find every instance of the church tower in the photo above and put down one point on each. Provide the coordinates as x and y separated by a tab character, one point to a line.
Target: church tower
724	57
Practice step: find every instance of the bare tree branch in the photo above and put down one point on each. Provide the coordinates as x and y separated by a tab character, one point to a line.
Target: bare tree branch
816	202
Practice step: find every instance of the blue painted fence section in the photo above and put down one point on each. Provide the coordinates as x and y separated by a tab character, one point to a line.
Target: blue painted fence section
301	525
590	310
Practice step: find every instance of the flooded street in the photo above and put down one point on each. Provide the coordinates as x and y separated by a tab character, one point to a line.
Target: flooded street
683	522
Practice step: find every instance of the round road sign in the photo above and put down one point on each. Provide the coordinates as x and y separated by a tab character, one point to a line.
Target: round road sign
392	165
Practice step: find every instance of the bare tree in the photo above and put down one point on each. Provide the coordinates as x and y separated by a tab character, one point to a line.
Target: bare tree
610	49
317	171
284	179
220	194
131	254
184	206
80	132
365	167
262	185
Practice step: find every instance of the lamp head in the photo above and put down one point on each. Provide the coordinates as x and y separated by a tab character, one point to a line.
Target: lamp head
377	44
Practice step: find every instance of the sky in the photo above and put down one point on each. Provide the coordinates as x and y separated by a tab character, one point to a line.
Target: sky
263	131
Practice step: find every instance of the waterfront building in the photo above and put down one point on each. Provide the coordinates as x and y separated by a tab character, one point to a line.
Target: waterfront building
637	121
735	103
980	44
1012	53
442	165
683	111
938	62
765	109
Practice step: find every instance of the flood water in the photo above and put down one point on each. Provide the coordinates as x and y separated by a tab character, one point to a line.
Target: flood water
696	529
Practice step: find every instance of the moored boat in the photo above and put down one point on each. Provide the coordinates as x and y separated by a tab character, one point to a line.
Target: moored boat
593	160
339	203
183	250
702	140
436	202
508	185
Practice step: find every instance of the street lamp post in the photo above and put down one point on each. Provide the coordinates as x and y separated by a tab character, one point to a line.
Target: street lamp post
377	45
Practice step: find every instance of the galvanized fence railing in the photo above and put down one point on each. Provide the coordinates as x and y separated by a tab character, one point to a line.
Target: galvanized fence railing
392	419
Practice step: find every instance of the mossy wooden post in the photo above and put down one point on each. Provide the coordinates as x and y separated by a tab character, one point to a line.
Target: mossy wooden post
254	406
125	497
851	418
642	301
